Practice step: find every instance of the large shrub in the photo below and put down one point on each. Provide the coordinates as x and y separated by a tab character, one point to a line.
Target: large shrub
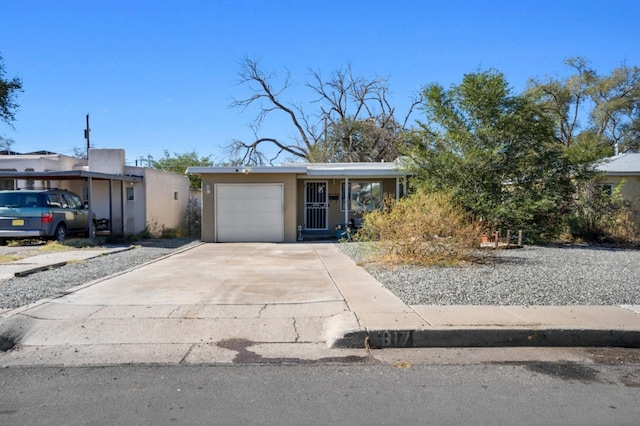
600	216
424	228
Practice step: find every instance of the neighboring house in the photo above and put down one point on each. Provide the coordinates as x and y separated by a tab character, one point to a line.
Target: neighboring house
130	198
292	201
623	169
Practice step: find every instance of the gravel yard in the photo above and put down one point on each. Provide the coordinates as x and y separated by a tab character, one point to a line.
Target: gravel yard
532	275
17	292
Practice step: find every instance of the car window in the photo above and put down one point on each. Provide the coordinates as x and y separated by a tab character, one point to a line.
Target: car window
75	201
30	200
18	199
8	199
69	202
55	200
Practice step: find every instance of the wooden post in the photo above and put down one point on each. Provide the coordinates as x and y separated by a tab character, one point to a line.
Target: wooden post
508	238
520	237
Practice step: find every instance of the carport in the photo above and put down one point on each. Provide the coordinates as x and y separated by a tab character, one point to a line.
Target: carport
89	177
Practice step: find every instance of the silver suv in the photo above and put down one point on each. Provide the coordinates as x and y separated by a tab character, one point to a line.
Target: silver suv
45	214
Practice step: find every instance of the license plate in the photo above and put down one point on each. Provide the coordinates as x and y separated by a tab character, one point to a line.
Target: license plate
17	222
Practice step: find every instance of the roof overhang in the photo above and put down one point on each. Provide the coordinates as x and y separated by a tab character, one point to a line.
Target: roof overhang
627	164
244	170
303	170
69	175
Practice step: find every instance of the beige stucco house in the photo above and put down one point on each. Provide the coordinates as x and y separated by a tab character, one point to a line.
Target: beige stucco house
292	201
130	198
623	169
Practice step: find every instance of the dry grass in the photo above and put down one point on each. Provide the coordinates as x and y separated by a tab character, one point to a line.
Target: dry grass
54	246
7	258
424	229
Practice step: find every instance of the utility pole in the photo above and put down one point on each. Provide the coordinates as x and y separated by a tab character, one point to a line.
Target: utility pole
86	136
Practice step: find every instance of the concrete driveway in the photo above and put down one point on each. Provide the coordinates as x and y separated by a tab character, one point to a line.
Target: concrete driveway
205	304
274	303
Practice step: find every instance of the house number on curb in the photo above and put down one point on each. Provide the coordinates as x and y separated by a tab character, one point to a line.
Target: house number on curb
395	339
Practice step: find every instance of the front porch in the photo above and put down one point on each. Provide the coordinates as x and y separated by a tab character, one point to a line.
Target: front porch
328	207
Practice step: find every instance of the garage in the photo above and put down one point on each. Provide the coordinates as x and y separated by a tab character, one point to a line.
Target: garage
249	212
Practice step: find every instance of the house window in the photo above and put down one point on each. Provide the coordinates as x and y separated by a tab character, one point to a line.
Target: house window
7	183
362	196
30	182
175	195
605	189
130	193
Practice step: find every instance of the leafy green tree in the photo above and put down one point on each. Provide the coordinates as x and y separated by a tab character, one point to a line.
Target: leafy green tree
597	114
495	152
178	163
8	92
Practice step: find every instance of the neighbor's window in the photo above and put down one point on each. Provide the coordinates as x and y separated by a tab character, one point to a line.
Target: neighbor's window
7	183
30	182
605	189
129	193
362	196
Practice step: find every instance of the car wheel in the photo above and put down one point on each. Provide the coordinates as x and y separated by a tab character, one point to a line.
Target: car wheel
61	233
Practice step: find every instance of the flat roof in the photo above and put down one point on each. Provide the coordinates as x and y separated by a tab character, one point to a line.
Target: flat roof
68	175
310	169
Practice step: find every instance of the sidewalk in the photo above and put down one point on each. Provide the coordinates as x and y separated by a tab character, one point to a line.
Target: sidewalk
40	262
387	322
222	303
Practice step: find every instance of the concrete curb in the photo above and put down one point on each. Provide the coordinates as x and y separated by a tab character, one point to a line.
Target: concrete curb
380	339
344	331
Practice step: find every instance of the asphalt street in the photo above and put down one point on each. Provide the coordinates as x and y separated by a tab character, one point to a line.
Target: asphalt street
531	393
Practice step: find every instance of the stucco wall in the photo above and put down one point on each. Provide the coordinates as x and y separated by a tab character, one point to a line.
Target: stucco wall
630	190
208	201
161	206
42	163
100	207
106	161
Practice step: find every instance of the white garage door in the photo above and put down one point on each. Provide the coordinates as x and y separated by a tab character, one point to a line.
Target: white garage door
249	212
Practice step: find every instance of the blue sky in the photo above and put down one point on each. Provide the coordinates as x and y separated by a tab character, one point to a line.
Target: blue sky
160	75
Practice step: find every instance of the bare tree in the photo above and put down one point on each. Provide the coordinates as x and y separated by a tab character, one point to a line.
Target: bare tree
349	120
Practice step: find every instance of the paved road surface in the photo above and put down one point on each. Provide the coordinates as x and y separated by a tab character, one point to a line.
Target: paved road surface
531	393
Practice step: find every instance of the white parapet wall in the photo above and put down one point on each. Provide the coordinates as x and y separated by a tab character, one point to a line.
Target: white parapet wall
107	161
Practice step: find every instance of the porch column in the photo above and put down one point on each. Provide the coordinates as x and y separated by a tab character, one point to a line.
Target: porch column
122	201
397	188
346	200
111	207
90	228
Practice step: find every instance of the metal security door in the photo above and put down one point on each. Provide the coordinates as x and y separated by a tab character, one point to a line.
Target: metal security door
315	205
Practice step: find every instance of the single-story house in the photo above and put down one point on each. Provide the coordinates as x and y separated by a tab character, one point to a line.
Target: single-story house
293	201
129	198
623	169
